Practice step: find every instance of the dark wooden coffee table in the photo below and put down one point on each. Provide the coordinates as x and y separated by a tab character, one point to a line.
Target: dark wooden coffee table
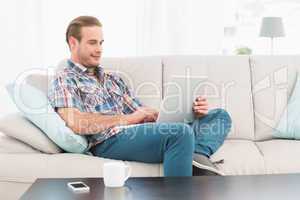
266	187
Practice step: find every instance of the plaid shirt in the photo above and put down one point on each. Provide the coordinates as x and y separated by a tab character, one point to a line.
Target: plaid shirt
109	95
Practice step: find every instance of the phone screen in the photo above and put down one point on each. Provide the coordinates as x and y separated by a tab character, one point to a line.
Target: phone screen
78	185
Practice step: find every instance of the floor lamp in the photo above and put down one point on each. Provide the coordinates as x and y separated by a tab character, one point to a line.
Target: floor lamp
272	27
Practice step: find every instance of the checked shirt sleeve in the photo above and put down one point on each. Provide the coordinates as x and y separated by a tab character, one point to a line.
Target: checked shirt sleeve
63	93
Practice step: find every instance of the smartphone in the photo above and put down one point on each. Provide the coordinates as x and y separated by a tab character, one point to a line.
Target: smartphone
78	187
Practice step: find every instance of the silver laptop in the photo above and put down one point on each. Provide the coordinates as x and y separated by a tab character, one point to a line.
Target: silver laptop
177	105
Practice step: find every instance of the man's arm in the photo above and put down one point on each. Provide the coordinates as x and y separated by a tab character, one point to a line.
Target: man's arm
84	123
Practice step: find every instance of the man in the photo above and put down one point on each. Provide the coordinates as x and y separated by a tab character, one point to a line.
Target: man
95	103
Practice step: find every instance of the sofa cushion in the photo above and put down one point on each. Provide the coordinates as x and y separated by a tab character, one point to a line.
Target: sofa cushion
228	86
273	79
11	145
28	167
34	105
280	156
241	157
18	127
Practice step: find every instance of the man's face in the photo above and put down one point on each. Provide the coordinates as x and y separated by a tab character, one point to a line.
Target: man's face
88	51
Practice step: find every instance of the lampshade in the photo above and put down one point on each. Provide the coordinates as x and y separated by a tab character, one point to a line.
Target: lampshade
272	27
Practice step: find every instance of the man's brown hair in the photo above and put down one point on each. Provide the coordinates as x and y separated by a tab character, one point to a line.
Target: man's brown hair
74	28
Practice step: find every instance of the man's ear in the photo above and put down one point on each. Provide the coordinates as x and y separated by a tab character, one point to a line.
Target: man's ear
73	42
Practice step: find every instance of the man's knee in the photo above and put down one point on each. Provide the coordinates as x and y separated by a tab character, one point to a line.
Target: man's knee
216	122
220	116
220	113
225	119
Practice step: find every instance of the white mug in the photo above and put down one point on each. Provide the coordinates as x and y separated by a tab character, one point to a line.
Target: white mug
115	174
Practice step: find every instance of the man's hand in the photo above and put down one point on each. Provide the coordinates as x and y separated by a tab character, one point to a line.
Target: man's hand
151	114
200	106
145	114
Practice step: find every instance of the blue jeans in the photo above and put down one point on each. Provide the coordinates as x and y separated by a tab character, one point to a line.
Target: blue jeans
172	144
211	131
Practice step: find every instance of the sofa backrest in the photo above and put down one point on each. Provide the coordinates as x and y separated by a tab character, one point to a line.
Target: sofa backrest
254	90
228	86
273	79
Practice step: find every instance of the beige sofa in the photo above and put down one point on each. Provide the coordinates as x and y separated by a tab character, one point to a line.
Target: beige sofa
254	90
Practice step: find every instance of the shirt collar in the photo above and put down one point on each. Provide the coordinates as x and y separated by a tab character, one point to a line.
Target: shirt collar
81	69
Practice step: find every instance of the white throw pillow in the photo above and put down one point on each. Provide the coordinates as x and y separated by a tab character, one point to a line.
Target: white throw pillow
16	126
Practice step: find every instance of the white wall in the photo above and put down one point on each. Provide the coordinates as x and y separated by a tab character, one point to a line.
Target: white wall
118	19
19	48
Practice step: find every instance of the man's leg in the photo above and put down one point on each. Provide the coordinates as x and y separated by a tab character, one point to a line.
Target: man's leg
211	131
170	143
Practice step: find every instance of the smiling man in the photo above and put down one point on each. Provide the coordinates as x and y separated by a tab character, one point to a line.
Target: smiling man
98	105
